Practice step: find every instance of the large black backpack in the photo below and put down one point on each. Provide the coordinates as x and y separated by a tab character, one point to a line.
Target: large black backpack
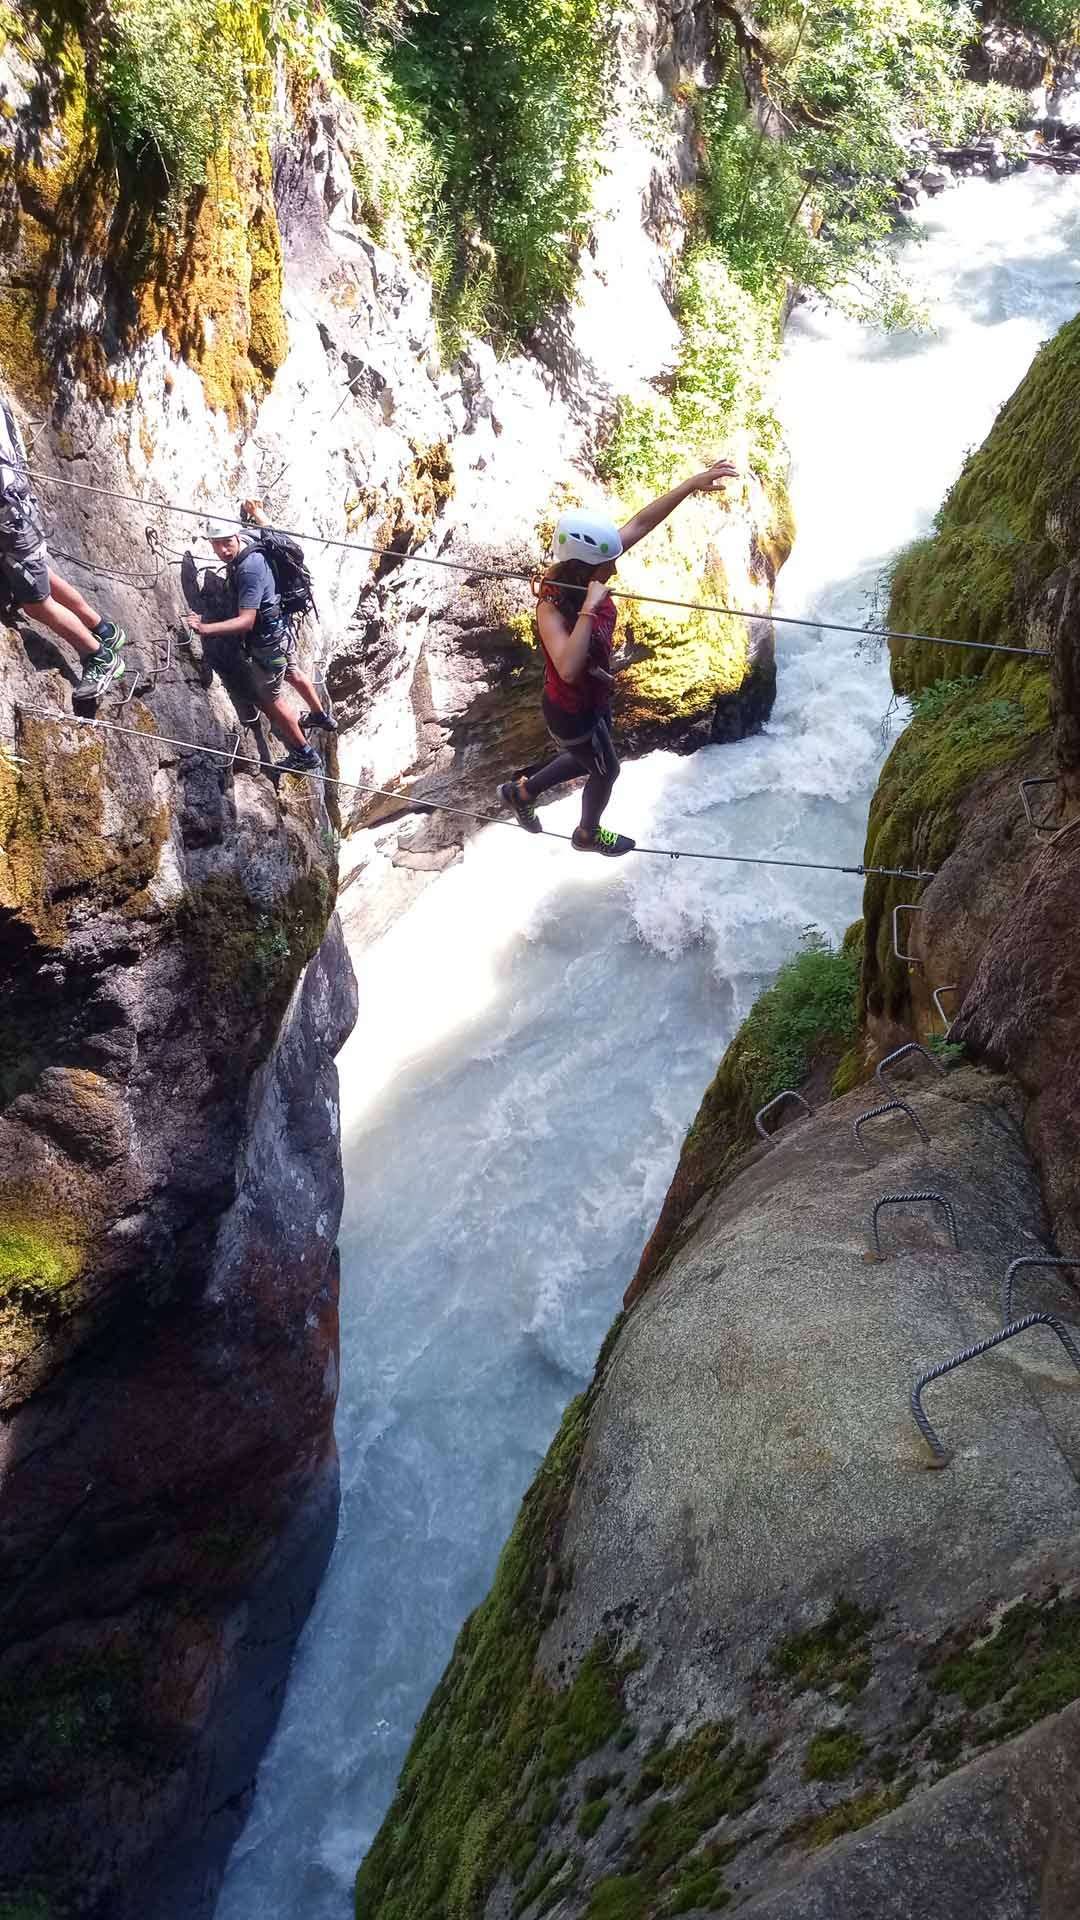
207	593
285	558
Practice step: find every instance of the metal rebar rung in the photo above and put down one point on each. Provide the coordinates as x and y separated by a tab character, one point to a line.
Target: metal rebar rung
904	1199
887	1106
945	1021
1046	780
940	1453
1028	1260
789	1093
905	906
909	1046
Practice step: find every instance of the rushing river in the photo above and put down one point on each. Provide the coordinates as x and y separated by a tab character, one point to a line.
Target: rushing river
536	1034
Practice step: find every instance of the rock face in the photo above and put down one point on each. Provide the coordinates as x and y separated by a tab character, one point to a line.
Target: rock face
739	1621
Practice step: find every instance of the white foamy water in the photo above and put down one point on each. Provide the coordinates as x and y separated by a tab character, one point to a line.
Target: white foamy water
535	1036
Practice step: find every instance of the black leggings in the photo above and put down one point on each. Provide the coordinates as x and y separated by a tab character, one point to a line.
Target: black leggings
595	757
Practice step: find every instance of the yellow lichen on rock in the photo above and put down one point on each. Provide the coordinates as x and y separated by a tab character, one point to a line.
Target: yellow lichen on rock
208	277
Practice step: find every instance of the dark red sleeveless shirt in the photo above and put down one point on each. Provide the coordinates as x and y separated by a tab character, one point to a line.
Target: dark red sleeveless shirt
580	696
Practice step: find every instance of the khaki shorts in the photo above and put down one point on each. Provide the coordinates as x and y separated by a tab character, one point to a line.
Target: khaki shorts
26	575
271	662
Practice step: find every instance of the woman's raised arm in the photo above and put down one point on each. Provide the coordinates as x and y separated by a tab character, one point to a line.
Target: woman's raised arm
651	516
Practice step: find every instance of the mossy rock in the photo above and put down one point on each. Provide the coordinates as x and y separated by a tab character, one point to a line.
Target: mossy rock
1009	520
246	955
39	1254
961	729
207	275
54	849
810	1009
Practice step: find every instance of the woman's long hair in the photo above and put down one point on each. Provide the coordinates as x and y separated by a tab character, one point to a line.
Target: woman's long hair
565	575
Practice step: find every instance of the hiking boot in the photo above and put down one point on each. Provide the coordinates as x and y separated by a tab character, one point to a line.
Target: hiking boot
601	841
317	723
102	668
514	794
300	760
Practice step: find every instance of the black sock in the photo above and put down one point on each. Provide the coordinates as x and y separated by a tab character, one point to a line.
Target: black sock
104	631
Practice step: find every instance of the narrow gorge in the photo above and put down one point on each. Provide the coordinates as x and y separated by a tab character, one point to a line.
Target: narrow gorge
741	1647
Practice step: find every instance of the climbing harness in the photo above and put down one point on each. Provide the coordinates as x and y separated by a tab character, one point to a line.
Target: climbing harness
467	813
512	573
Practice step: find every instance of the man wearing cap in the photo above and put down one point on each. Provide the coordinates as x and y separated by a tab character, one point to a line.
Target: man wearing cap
258	622
575	622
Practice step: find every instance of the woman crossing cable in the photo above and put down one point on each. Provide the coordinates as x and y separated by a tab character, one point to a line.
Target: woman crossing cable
575	622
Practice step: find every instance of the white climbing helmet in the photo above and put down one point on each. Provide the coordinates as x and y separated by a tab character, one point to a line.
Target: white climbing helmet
218	528
591	537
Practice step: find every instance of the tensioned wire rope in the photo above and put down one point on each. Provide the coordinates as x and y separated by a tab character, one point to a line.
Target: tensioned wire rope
412	802
506	573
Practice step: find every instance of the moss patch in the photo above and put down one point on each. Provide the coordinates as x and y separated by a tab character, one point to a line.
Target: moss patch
39	1255
999	533
960	730
209	276
833	1754
247	955
836	1654
54	848
678	663
812	1007
861	1810
1018	1669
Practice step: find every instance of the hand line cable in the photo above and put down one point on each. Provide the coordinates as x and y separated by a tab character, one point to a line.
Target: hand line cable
412	803
507	573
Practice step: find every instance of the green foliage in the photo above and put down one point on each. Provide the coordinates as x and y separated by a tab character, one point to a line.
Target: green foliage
833	1754
511	100
812	1004
951	1053
985	107
998	531
810	199
720	391
1023	1667
834	1654
860	1811
170	80
1055	20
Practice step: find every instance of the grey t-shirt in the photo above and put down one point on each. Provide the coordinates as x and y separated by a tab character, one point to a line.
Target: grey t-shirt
253	585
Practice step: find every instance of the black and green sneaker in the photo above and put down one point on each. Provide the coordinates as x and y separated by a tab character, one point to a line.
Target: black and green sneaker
300	760
601	841
103	667
515	794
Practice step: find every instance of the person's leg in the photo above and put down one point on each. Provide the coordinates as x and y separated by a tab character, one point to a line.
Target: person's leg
70	597
567	765
282	721
267	683
305	688
594	797
59	620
